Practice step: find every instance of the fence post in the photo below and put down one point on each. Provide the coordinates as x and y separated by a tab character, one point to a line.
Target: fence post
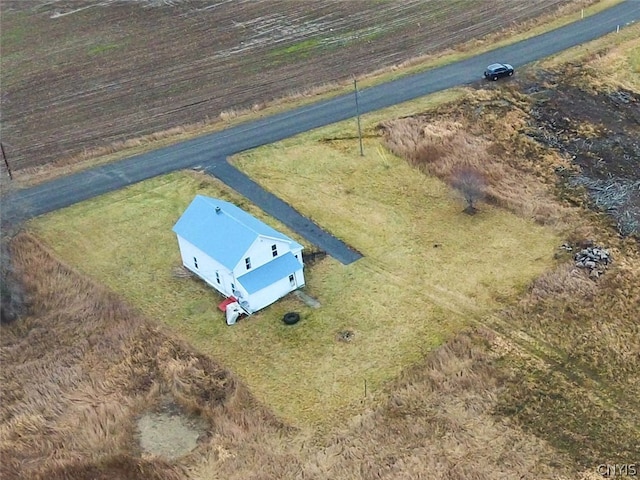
6	162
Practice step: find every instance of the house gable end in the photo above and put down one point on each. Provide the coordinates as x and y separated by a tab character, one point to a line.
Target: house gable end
269	273
214	231
260	253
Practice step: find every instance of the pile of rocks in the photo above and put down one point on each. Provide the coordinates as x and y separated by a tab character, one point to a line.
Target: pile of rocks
593	258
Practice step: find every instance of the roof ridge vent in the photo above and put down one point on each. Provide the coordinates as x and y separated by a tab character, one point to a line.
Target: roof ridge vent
218	209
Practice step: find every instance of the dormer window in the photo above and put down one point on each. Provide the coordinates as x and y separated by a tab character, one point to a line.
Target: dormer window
247	262
274	250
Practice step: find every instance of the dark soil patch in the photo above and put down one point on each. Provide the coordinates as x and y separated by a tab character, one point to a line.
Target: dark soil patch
346	336
84	74
600	132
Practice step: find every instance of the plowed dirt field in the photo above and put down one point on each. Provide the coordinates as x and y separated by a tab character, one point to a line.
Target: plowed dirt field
83	74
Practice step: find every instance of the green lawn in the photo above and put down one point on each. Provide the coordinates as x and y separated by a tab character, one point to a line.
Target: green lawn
402	299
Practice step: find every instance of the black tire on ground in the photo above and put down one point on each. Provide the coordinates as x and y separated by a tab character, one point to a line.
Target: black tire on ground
291	318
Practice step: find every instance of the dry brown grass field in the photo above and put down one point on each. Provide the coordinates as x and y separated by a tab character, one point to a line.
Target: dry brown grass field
544	384
84	75
79	371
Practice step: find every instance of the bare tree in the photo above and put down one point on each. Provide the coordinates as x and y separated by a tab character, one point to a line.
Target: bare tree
470	183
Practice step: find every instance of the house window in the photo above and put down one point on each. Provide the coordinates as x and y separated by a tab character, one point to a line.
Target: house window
195	262
292	280
233	288
217	277
274	250
247	262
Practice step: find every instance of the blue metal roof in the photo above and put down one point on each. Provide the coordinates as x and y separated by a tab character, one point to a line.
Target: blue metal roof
277	269
222	230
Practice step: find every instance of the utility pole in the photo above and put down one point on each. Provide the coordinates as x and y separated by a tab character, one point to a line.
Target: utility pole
6	162
355	88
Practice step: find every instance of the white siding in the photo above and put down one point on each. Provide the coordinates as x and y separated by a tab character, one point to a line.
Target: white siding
207	267
270	294
260	253
298	254
299	278
275	291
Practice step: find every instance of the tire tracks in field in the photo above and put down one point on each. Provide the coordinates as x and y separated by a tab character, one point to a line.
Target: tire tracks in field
534	347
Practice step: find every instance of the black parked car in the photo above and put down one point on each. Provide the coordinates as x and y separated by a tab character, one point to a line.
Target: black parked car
498	70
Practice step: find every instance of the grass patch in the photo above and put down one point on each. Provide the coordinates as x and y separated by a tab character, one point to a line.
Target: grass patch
298	50
617	54
634	59
306	48
395	218
14	36
102	48
362	35
404	298
554	408
17	32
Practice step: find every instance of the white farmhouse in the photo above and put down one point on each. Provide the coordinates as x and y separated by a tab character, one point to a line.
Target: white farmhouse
237	254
